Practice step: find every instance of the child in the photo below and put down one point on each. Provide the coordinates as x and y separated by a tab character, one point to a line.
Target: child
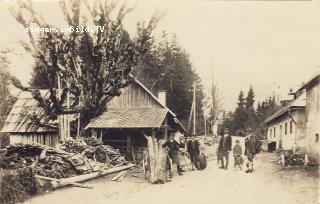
219	156
237	151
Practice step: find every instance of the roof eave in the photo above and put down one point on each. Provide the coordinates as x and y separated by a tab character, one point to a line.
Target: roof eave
273	117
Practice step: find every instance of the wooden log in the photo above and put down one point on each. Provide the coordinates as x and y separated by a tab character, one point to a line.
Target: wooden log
55	182
161	162
152	160
86	177
122	176
118	176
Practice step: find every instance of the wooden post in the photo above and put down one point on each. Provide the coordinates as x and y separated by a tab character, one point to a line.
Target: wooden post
152	159
282	159
79	118
133	156
165	133
190	117
101	134
60	117
306	160
128	143
194	108
68	135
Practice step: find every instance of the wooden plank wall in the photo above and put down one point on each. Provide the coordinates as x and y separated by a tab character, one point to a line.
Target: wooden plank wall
134	96
44	139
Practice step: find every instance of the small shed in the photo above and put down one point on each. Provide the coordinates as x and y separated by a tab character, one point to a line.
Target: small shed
135	113
20	127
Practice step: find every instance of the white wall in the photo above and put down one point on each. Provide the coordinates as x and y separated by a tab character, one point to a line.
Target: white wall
287	139
313	122
291	139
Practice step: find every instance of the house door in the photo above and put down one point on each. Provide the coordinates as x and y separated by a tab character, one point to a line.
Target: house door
280	137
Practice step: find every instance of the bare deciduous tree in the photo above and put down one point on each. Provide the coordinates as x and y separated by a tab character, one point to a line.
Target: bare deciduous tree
89	67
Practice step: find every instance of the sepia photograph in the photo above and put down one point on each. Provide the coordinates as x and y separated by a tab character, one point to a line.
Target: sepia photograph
159	101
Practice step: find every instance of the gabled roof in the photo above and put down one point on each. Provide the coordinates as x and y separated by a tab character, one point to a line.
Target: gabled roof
153	96
298	103
130	118
19	118
134	117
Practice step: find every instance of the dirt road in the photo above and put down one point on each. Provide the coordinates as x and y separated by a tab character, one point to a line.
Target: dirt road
269	183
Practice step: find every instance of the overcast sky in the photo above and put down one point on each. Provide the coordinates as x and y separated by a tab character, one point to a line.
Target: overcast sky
271	45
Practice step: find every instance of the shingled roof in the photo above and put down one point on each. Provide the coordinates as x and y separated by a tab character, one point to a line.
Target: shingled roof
130	118
19	118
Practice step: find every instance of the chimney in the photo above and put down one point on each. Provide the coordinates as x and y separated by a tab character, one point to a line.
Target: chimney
162	96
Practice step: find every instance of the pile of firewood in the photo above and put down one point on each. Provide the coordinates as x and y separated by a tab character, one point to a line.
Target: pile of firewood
73	158
26	169
293	159
95	150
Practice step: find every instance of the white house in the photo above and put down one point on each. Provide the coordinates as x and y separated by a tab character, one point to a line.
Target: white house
312	88
287	126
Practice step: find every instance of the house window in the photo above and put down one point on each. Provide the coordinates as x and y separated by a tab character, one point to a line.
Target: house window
317	137
285	128
280	130
291	124
270	133
274	132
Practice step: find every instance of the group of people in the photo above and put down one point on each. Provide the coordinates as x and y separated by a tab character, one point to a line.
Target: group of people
252	147
173	146
225	146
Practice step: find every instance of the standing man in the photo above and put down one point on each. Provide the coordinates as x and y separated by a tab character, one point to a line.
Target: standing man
250	149
224	148
194	151
173	148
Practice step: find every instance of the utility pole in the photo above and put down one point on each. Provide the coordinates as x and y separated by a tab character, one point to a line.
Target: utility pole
194	108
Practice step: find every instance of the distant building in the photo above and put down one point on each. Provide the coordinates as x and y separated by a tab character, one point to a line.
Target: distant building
287	126
312	88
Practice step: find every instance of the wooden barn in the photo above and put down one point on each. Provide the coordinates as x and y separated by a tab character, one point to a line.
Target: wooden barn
20	127
131	115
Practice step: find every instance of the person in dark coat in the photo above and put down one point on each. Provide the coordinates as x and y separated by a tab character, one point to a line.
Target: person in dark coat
194	151
224	148
250	149
173	148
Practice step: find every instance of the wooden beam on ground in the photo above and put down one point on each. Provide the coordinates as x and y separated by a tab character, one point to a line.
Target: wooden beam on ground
118	176
55	182
86	177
